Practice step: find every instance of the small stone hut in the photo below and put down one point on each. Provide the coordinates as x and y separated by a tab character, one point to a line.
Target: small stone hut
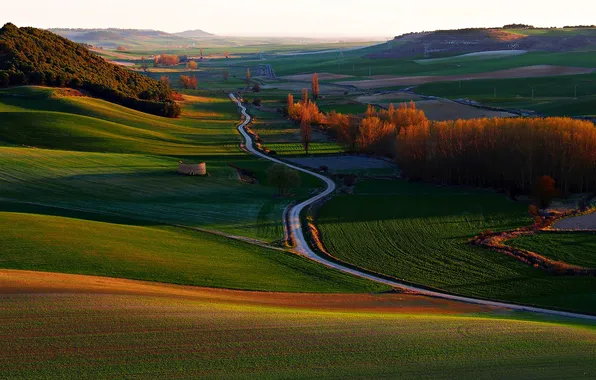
192	169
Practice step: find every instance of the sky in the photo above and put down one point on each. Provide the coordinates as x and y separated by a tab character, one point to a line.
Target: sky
304	18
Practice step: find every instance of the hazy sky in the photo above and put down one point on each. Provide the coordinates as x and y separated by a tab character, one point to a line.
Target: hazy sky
304	18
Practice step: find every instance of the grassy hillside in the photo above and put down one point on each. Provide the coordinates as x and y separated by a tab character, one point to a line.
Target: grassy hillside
115	329
419	233
142	183
38	57
158	253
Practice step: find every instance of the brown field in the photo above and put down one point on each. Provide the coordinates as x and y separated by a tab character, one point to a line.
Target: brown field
383	99
30	282
115	54
298	86
520	72
439	110
322	76
436	110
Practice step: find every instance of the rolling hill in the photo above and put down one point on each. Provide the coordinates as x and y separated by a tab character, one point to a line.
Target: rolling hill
196	33
38	57
442	43
130	38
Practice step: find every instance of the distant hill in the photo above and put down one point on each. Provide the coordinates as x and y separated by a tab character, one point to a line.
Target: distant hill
511	37
197	33
39	57
130	38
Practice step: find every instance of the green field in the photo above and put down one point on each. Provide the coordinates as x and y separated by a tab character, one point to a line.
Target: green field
574	248
357	63
419	233
553	96
111	336
144	251
92	155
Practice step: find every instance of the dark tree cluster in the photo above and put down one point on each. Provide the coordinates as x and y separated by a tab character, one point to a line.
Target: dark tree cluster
30	56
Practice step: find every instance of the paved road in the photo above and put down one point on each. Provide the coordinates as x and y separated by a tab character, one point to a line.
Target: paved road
303	248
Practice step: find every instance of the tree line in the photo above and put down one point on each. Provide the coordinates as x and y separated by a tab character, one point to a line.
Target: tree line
30	56
506	153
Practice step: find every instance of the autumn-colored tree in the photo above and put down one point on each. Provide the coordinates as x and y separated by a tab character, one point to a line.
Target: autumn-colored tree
248	77
304	96
193	65
155	61
226	75
544	191
227	54
503	153
290	101
166	80
315	86
189	82
184	81
167	60
256	87
121	48
201	53
305	131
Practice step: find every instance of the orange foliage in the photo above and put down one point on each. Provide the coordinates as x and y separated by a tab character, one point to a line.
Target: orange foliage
189	82
315	86
501	152
167	60
193	65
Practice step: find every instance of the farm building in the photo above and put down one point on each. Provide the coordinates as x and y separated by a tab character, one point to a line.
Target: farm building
192	169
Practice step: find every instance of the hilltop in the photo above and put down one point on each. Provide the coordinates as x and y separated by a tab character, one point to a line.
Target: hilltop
112	38
39	57
442	43
197	33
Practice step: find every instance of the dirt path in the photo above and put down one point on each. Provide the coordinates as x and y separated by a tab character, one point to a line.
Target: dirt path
303	248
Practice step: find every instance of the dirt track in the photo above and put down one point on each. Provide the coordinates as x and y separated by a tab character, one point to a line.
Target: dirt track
520	72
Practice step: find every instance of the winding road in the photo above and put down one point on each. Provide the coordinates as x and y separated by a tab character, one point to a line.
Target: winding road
304	249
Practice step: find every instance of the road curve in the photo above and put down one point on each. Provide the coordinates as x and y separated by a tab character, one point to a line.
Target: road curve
304	249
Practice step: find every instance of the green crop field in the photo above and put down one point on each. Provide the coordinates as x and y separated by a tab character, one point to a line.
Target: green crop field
576	248
70	335
159	253
553	96
92	155
357	64
419	233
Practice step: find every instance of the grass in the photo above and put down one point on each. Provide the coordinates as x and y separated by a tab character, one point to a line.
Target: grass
419	233
553	96
113	335
358	64
100	157
573	248
160	253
